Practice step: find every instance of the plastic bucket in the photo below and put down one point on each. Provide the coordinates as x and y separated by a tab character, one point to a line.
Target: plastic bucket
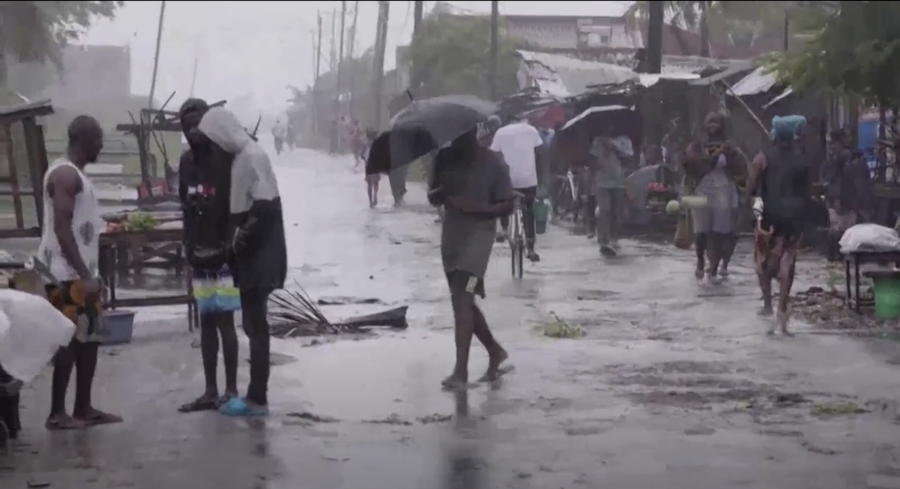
541	216
887	296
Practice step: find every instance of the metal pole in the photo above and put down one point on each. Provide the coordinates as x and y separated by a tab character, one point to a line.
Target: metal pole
495	40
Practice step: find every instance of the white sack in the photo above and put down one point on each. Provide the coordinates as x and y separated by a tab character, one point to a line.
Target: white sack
31	330
869	237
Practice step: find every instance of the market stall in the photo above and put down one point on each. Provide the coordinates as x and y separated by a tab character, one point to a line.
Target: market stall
135	241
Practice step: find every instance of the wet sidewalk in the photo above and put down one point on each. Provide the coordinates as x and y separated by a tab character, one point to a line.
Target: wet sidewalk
673	386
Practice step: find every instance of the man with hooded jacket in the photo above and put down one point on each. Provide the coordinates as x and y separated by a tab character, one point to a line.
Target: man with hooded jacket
258	245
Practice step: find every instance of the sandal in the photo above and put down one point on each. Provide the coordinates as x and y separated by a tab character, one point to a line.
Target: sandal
63	422
238	407
202	403
98	417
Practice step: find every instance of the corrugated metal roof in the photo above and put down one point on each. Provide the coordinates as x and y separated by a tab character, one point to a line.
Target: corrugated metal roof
650	79
563	76
759	81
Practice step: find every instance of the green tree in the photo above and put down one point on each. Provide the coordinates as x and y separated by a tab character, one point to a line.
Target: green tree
36	31
452	54
854	48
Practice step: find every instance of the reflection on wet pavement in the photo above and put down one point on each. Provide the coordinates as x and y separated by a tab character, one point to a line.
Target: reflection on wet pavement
674	384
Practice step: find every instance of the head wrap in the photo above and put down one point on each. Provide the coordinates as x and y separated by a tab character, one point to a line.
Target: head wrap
786	128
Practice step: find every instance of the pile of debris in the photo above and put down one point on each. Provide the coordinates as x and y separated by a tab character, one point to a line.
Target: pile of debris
828	309
293	314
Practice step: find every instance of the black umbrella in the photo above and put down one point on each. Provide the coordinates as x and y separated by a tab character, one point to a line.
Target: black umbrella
424	126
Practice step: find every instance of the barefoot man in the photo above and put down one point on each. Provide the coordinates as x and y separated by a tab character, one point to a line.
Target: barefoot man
474	187
70	249
780	180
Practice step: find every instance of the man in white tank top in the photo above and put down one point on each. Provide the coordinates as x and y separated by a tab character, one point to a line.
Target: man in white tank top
70	249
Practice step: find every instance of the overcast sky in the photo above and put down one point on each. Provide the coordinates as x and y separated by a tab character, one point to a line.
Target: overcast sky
260	47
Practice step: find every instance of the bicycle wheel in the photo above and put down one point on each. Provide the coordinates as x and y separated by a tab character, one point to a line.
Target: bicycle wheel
520	256
513	240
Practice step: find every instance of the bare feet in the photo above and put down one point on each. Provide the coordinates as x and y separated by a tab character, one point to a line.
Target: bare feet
782	321
456	382
58	422
496	369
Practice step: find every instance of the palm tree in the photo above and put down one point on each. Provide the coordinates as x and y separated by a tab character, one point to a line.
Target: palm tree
719	17
37	31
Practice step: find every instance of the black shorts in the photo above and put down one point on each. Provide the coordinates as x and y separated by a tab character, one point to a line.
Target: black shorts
462	282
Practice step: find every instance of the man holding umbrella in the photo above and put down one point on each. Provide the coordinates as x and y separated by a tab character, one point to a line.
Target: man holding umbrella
473	185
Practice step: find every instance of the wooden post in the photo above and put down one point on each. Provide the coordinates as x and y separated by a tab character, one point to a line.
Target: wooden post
495	40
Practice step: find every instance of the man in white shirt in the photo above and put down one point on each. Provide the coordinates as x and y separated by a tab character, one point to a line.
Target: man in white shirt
520	145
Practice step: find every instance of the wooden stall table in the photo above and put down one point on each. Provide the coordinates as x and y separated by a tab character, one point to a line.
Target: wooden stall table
854	260
132	246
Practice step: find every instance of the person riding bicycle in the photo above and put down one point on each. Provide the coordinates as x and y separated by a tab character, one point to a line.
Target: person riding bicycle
520	144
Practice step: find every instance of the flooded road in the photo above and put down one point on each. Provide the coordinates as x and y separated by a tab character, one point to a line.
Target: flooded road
674	384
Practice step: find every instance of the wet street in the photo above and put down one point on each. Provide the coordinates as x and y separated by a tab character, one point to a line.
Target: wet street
673	386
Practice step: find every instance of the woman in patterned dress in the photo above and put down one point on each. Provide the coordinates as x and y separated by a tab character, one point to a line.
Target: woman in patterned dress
715	170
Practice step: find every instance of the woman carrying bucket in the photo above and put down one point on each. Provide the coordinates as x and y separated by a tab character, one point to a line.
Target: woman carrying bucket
781	183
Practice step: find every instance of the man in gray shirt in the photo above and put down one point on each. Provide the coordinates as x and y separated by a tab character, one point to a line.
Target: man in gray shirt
609	187
474	187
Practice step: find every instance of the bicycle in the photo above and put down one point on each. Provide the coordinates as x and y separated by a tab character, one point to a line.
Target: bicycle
517	237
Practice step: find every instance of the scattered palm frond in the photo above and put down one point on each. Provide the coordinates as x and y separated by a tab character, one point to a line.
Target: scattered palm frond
293	313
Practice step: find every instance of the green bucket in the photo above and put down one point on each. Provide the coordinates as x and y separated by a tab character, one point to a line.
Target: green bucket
887	295
541	216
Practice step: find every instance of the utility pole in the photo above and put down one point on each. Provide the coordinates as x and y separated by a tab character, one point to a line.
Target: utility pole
194	78
378	68
495	41
318	62
336	140
415	77
352	53
333	55
159	31
654	36
318	45
143	139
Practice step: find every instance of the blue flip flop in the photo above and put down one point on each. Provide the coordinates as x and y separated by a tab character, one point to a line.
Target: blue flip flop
238	407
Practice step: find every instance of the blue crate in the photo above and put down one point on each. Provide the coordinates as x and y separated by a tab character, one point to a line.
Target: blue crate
120	326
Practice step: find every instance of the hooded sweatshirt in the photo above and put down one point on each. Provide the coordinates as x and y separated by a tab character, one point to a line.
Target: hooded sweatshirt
255	204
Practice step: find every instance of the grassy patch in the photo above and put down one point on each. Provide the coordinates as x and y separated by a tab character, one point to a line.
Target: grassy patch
838	409
557	328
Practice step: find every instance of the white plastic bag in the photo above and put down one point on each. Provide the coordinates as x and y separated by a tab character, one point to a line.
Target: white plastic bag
31	330
869	237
